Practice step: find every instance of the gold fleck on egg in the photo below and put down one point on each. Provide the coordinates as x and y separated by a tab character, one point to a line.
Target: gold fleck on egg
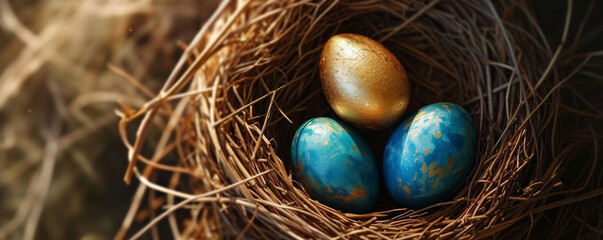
364	82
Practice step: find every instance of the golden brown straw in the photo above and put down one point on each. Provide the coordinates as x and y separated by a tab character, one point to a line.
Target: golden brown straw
250	78
59	147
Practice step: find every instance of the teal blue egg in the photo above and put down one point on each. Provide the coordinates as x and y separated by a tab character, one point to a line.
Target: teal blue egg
429	154
335	165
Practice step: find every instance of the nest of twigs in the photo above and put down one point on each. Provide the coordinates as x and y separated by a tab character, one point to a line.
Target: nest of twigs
250	78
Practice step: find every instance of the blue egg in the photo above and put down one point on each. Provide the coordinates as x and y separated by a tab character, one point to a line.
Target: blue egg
335	165
429	154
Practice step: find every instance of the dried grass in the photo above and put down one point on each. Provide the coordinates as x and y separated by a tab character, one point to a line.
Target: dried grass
57	101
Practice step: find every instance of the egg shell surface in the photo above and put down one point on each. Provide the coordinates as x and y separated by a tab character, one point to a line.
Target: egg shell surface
363	81
335	165
429	154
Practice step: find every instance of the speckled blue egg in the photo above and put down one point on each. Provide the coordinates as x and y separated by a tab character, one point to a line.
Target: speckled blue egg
335	165
429	154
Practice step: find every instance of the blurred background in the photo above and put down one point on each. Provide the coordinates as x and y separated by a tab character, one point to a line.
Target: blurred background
66	65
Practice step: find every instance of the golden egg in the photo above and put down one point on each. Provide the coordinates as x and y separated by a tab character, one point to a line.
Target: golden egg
364	82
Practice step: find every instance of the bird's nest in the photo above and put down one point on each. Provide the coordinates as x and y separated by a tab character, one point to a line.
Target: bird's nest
250	77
